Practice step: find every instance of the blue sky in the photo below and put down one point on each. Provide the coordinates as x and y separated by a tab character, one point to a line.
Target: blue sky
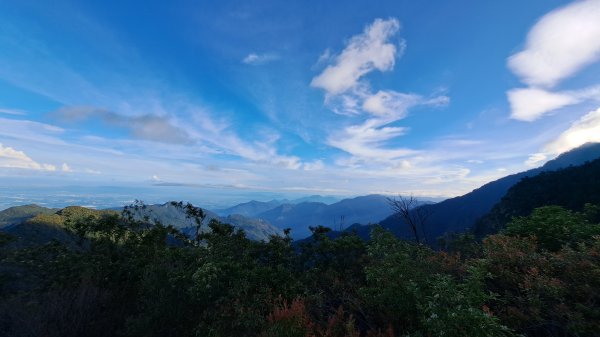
432	98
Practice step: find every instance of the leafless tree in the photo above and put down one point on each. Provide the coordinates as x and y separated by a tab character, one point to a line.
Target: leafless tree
407	208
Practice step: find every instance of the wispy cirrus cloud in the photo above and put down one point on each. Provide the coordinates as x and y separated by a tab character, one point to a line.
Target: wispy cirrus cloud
14	112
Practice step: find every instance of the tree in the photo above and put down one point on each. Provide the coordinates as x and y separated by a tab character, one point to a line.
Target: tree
407	209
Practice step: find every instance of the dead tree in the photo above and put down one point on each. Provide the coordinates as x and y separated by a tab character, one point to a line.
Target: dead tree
407	208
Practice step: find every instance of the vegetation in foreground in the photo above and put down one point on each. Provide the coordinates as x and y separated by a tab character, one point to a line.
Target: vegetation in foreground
117	276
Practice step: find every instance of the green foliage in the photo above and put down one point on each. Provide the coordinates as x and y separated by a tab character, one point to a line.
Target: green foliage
554	226
433	302
544	293
121	276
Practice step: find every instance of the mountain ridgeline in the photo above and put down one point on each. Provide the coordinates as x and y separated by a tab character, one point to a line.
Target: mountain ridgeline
461	213
299	217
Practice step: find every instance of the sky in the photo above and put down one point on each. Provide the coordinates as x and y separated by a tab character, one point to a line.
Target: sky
433	98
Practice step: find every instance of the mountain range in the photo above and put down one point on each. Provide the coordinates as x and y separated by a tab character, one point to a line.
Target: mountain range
253	208
461	213
299	217
260	220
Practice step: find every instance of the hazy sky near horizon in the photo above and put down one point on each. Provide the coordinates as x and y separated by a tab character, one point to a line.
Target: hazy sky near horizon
339	97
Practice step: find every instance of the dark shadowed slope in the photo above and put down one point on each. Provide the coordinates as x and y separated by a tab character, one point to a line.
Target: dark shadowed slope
570	188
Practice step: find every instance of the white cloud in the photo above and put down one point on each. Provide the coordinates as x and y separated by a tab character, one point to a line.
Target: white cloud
365	141
349	94
586	129
65	168
11	158
258	59
364	53
390	104
529	104
560	44
536	159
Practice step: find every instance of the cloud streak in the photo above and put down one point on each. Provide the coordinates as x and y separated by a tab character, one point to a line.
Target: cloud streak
146	127
259	59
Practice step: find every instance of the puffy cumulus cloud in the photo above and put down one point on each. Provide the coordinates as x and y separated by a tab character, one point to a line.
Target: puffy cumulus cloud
146	127
258	59
11	158
529	104
561	43
364	53
584	130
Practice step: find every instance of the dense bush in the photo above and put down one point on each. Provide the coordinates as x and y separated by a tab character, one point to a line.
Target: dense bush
120	277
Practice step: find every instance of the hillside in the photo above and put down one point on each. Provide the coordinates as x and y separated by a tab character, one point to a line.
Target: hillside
169	214
570	188
34	224
47	224
18	214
